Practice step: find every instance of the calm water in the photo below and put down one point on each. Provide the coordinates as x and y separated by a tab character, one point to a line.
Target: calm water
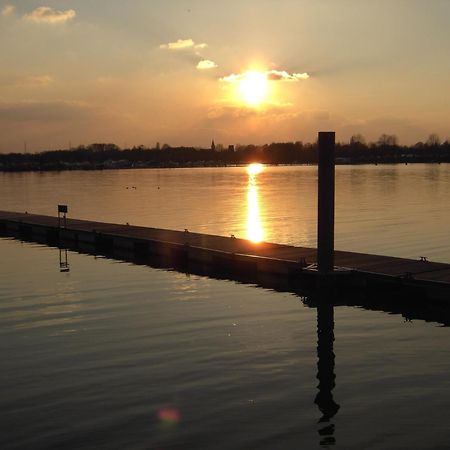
398	210
117	356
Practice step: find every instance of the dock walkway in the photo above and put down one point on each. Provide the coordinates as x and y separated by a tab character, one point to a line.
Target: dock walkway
433	277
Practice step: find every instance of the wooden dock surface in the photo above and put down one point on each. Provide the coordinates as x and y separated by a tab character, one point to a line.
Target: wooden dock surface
374	265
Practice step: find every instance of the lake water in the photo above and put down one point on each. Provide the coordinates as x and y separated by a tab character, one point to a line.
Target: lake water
112	355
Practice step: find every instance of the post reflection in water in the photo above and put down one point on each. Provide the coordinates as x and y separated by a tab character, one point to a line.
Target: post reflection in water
325	373
63	260
255	231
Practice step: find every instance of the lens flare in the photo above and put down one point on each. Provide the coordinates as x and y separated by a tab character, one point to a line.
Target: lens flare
168	415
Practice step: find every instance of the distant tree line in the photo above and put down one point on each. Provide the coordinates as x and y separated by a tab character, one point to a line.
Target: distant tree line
108	156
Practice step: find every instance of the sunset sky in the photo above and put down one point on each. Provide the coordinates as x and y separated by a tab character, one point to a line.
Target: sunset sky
247	71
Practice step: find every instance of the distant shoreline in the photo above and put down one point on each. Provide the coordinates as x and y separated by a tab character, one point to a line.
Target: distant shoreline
205	166
109	156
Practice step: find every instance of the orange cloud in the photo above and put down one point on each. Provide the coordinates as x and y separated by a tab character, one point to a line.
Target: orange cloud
45	14
41	112
206	64
282	75
7	10
35	80
183	44
272	75
28	81
272	110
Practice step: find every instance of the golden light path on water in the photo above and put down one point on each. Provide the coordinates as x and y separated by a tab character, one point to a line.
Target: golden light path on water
255	231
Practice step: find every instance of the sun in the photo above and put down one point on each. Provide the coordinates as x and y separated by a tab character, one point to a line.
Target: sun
253	87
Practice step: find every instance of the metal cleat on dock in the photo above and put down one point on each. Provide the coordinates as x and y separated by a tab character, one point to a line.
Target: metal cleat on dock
302	262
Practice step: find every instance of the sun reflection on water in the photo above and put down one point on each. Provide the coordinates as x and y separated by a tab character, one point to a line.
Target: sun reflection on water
255	231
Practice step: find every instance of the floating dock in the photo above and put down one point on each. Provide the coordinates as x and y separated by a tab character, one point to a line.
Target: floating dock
233	256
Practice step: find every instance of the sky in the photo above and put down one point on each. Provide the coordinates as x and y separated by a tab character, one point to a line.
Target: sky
185	72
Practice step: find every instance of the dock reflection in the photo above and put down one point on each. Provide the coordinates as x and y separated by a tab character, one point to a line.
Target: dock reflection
409	306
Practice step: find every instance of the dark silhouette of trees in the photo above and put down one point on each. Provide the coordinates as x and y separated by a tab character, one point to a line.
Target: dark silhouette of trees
357	139
433	140
110	156
387	140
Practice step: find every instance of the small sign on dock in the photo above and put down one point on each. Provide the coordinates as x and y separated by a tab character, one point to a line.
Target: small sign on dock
62	211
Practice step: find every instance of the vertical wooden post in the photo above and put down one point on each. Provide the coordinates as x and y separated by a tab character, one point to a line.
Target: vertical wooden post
325	221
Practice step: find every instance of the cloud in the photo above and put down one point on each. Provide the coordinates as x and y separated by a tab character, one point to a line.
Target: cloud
206	64
45	14
228	111
7	10
35	81
183	44
272	75
27	81
282	75
56	111
232	78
